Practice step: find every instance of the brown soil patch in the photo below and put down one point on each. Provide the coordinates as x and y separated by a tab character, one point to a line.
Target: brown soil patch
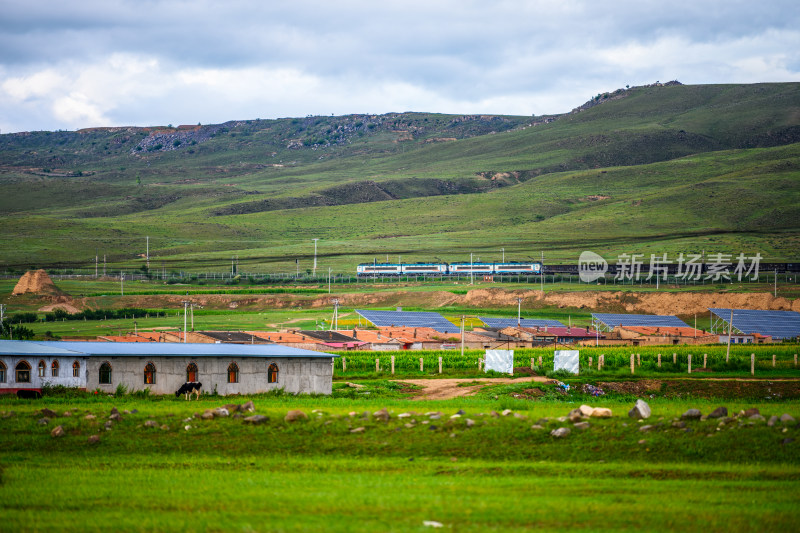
66	307
36	282
445	389
708	388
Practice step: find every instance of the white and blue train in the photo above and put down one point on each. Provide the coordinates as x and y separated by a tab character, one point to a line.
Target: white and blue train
448	269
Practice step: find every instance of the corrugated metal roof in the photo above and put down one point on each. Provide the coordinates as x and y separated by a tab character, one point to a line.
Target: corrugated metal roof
152	349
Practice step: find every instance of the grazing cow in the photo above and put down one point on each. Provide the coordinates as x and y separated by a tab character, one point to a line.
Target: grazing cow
189	388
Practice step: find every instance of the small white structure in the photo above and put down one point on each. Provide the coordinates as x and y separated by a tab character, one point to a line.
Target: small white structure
163	367
568	360
500	361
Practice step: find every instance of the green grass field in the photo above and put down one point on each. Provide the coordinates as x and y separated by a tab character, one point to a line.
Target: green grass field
500	474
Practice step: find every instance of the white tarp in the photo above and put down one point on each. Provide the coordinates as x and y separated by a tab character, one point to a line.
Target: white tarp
566	360
500	361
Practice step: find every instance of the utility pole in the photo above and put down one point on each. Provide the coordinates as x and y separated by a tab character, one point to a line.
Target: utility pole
2	315
504	254
541	277
335	319
314	271
147	253
329	280
95	263
121	283
471	273
519	311
185	307
104	265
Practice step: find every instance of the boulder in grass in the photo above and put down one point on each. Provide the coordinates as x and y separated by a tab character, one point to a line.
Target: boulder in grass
255	419
575	415
93	439
43	421
747	413
358	430
581	425
58	431
692	414
382	415
221	412
150	424
89	417
719	412
560	432
114	411
640	410
601	412
772	420
207	415
586	410
48	413
248	407
295	415
786	418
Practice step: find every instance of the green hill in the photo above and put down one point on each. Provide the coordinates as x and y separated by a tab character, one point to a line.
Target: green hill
657	169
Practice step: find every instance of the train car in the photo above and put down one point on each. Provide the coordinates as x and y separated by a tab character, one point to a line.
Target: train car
379	269
425	269
515	267
475	268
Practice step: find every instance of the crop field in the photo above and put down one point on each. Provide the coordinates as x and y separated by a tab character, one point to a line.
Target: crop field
487	462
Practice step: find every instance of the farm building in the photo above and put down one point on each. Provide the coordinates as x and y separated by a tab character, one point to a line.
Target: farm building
163	367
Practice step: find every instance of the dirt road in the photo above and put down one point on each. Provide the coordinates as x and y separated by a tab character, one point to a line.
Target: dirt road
444	389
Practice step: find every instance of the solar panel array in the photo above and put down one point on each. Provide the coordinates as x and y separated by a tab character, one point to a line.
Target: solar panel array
776	324
525	322
613	320
409	319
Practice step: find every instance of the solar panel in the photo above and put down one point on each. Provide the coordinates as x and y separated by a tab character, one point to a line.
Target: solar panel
525	322
409	319
776	324
612	320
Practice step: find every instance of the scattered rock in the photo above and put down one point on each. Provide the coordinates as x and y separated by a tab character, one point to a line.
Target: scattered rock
358	430
506	412
680	424
691	414
43	421
150	424
537	426
221	411
404	415
787	441
601	412
116	417
48	413
453	417
58	431
67	413
382	415
469	423
431	523
495	414
586	410
772	420
408	425
581	425
207	415
9	414
747	413
560	432
114	411
89	417
543	421
755	417
786	418
645	429
134	411
460	412
435	416
516	415
255	419
575	415
640	410
355	386
237	416
108	425
93	439
719	412
248	407
433	428
295	415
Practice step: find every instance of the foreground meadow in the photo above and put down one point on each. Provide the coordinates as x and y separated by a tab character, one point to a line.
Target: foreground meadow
461	463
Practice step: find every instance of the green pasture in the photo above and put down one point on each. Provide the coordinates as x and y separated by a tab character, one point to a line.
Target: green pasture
500	474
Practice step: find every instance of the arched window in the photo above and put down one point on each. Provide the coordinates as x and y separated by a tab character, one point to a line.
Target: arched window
2	372
105	373
76	369
272	373
23	372
191	372
233	373
149	374
54	369
41	368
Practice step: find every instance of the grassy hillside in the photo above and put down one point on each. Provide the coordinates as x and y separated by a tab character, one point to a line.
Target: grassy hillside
654	170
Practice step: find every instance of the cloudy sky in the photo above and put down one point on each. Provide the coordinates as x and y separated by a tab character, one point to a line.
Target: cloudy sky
70	65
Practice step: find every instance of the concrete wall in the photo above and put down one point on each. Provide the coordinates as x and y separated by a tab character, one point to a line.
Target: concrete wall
64	377
295	375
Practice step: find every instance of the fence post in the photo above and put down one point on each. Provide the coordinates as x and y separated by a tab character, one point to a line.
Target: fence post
659	360
690	363
440	365
540	361
705	360
674	358
773	360
532	365
638	359
377	365
480	364
392	364
590	361
632	364
344	365
421	365
752	364
795	359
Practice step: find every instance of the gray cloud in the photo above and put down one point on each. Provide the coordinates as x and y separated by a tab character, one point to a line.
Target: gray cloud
148	62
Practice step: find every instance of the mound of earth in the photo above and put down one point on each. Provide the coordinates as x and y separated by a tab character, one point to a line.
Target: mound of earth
37	282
